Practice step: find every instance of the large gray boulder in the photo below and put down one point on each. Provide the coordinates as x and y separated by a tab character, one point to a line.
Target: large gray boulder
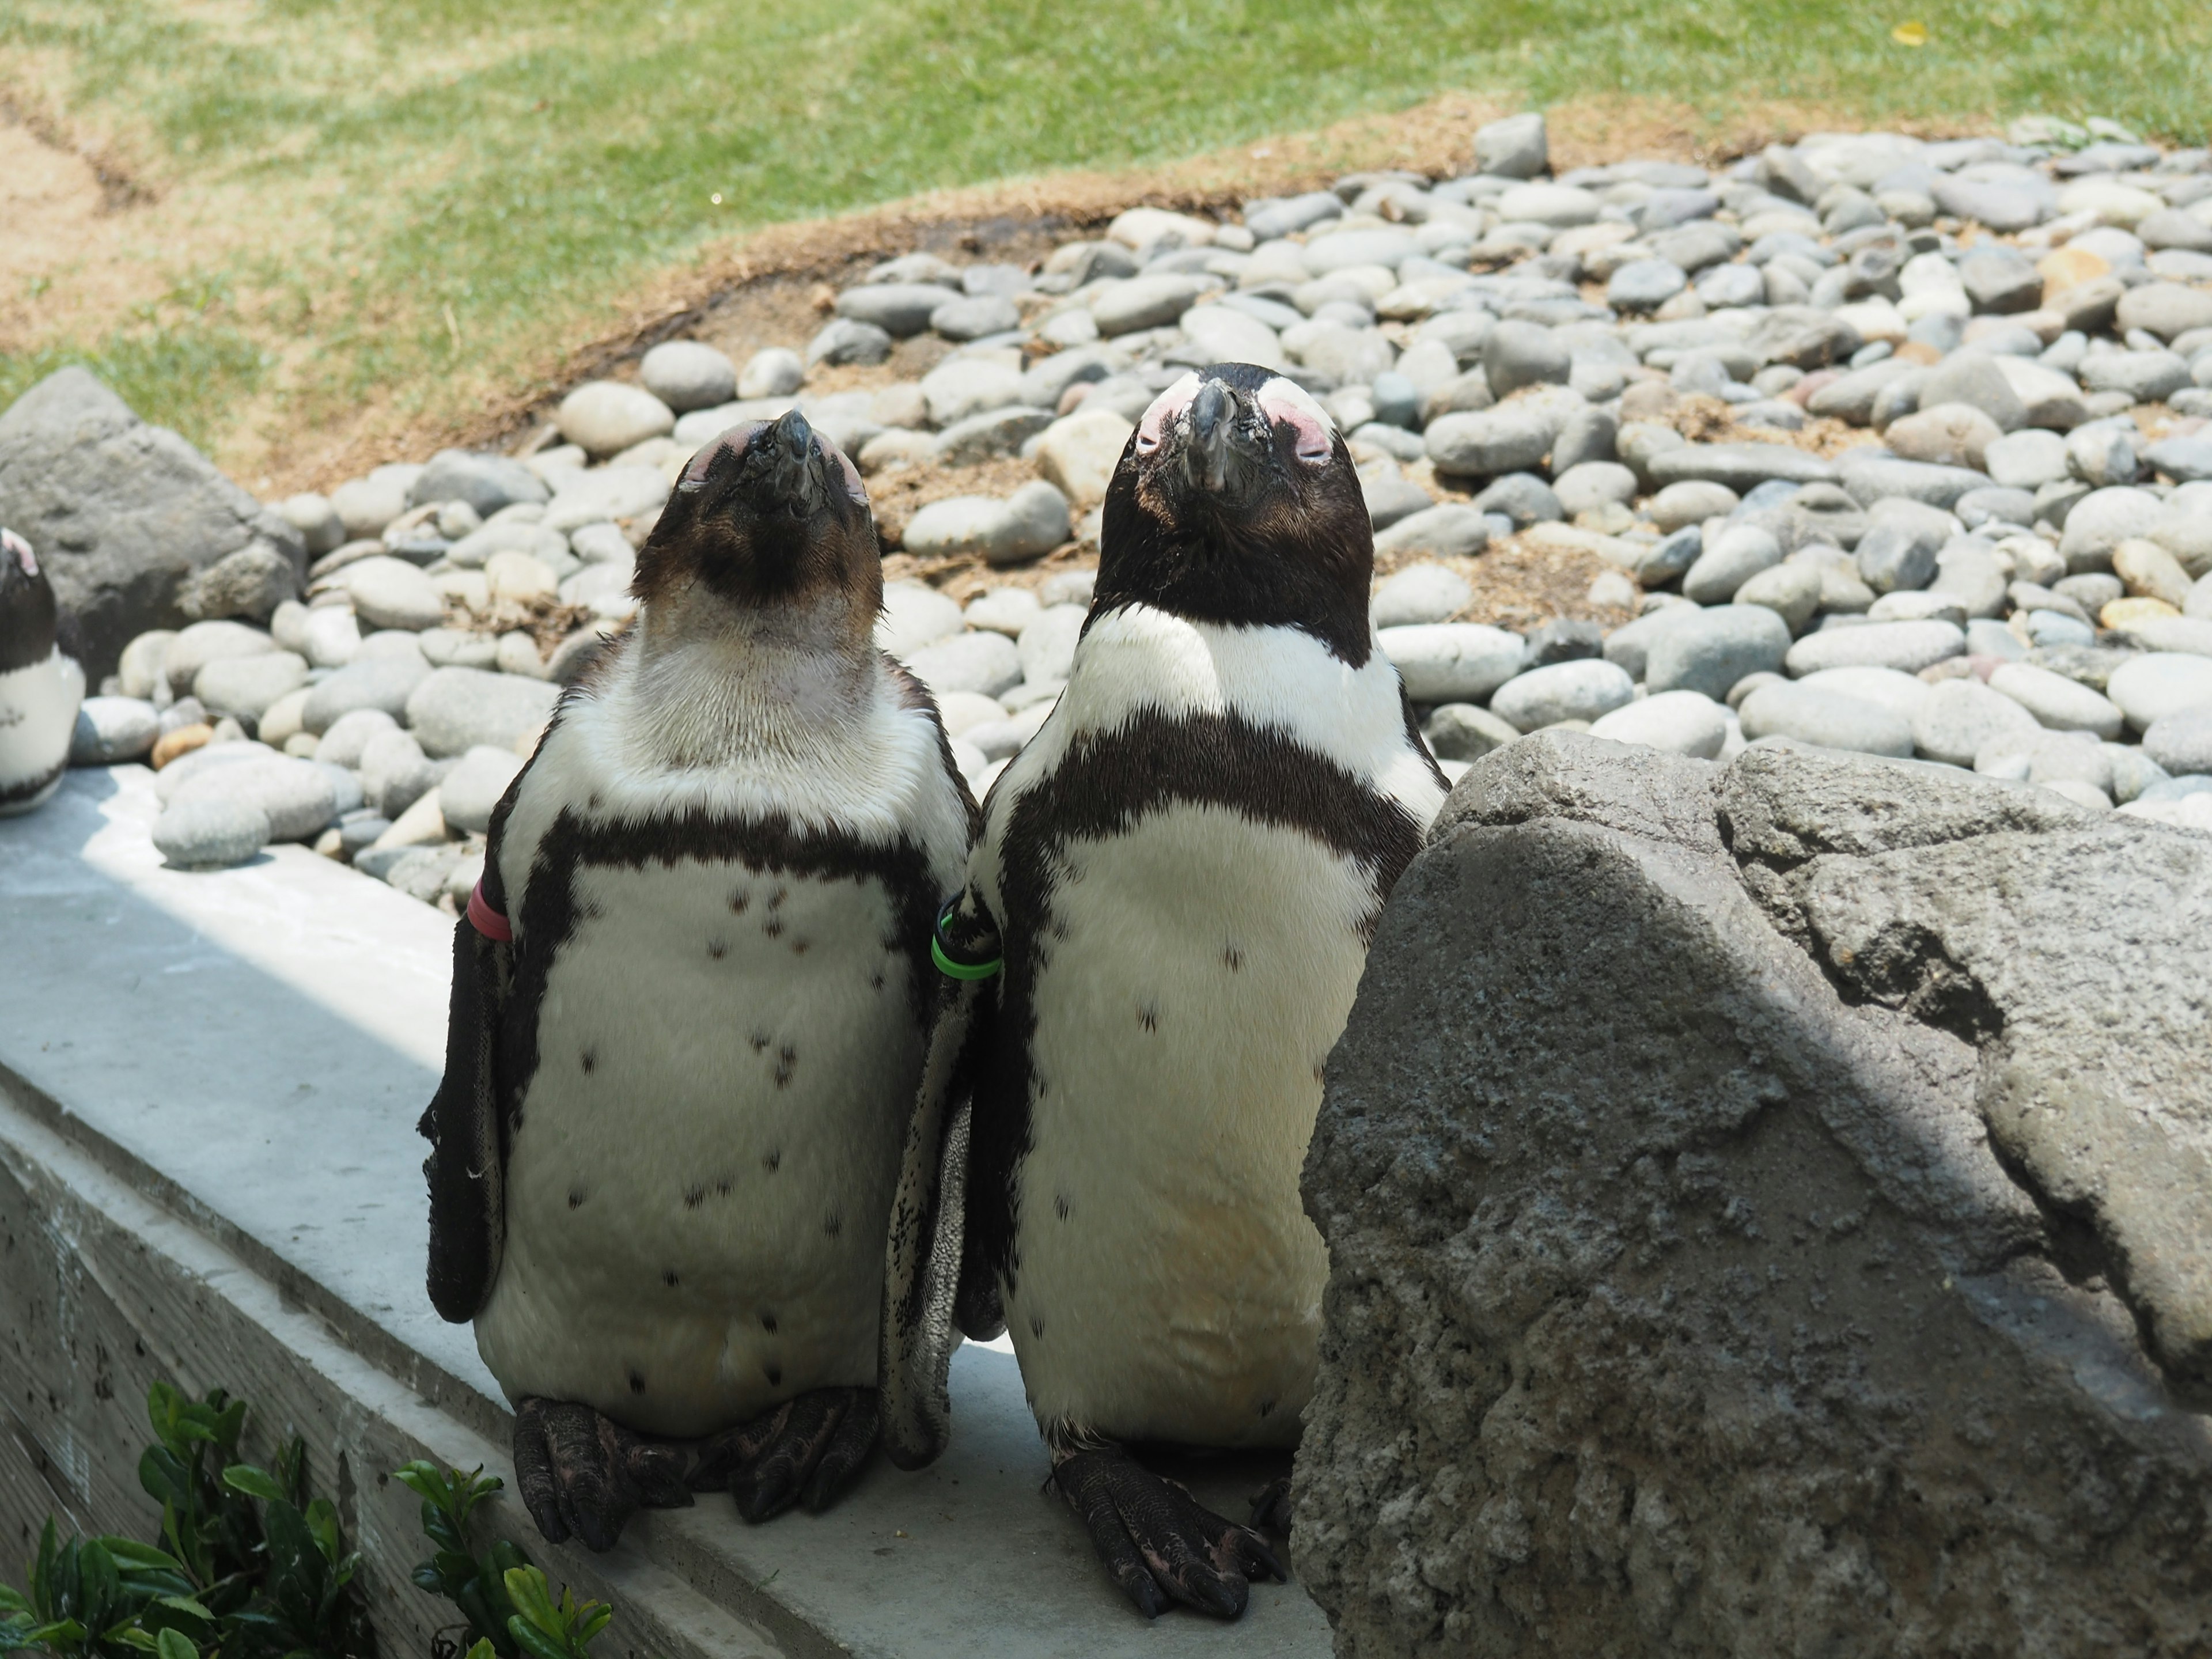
1767	1211
127	518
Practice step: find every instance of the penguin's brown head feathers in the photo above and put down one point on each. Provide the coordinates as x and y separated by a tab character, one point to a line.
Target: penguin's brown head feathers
771	516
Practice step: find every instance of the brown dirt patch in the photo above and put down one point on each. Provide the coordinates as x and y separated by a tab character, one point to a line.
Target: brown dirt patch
1706	420
1521	587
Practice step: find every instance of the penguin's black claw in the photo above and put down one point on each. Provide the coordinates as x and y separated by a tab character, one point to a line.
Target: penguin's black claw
1158	1541
574	1471
804	1451
1271	1508
846	1453
583	1475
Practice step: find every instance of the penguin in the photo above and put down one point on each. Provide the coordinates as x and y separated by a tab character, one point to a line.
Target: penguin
41	689
692	997
1169	910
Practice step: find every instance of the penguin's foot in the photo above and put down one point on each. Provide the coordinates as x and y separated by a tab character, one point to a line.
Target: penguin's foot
805	1451
583	1474
1271	1507
1158	1541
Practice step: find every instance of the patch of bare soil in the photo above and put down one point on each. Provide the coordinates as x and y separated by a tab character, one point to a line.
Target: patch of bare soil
1705	419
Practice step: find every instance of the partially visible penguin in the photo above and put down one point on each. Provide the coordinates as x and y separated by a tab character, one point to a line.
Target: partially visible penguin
1180	876
40	688
691	1001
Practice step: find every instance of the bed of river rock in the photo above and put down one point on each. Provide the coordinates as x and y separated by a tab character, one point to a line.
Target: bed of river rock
1860	443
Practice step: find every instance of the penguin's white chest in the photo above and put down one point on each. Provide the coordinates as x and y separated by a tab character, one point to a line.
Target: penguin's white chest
698	1195
1195	971
37	713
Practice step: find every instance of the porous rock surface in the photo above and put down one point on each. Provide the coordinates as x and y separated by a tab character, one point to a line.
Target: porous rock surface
1767	1208
126	516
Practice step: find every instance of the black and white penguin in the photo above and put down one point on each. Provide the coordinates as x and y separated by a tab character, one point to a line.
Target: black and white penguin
41	689
691	1002
1181	874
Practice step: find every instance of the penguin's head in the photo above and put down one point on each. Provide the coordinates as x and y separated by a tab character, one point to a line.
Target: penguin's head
28	616
1236	501
769	516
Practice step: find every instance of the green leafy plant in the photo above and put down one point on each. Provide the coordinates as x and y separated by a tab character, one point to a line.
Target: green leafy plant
104	1598
475	1582
249	1566
547	1629
508	1606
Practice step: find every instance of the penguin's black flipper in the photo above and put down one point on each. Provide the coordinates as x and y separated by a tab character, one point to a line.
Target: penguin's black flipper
467	1165
926	1303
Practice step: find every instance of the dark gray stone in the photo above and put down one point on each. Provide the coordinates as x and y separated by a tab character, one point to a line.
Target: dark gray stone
2000	279
1390	498
122	514
1710	650
1523	353
849	340
1447	528
1871	476
1802	336
1694	248
1994	505
486	483
1671	557
1680	1301
1463	731
1742	467
1564	640
1522	497
1589	435
251	582
1893	556
1851	398
897	308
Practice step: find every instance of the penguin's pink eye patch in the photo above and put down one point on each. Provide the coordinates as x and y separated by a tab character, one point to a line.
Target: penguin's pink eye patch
695	473
1286	404
853	486
1165	407
21	548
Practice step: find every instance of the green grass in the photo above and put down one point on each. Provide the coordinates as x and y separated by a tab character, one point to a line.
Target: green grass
520	168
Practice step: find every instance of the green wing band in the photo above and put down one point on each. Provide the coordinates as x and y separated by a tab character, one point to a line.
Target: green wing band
949	965
953	970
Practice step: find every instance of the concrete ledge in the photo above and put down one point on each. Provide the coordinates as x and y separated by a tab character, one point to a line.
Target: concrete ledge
208	1173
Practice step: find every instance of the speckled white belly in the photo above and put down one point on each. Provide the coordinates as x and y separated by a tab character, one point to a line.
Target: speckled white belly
1199	969
698	1195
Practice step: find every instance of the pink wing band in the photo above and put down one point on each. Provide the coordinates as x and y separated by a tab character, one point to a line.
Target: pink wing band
486	921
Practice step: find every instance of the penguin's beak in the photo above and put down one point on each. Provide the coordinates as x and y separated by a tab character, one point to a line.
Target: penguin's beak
1227	440
784	469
